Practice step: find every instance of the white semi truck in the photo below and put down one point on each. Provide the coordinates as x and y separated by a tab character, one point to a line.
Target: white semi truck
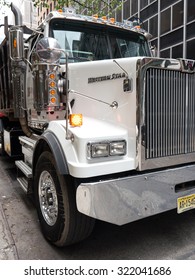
99	128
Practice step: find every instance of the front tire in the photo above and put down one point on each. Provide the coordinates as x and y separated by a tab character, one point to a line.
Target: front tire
60	221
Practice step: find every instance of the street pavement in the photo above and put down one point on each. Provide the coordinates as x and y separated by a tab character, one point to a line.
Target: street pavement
7	247
20	235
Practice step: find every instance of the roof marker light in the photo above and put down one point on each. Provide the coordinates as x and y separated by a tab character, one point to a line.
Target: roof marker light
95	16
112	20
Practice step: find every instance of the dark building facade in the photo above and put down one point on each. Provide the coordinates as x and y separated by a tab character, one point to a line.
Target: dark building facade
171	22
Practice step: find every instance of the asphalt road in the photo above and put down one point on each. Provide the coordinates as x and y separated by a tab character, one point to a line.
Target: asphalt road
162	237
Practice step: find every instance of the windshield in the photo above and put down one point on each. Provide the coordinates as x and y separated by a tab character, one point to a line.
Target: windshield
91	42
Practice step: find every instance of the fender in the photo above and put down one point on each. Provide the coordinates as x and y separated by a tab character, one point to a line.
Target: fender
48	139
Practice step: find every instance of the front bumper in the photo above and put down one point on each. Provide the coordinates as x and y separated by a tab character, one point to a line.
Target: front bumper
124	200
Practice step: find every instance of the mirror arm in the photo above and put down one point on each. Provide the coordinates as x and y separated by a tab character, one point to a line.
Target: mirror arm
28	62
67	95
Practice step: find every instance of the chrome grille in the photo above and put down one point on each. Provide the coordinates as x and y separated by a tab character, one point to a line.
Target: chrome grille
169	113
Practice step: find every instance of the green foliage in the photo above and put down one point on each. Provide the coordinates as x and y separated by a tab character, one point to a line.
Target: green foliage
4	3
105	7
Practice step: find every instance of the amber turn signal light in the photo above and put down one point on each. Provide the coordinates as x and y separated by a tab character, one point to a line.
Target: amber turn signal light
76	119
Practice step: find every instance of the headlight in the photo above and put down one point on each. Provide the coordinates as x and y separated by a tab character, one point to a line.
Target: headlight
118	148
99	150
106	149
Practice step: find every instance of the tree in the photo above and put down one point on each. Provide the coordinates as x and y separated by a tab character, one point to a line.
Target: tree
4	3
105	7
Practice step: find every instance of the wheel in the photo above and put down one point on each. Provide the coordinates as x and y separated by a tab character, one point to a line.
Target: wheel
55	198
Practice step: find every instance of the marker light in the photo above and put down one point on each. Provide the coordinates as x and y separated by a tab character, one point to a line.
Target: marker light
95	16
52	84
15	43
104	18
53	100
52	91
112	20
52	76
76	119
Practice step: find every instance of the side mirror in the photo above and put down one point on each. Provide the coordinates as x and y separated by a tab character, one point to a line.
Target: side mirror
154	51
48	50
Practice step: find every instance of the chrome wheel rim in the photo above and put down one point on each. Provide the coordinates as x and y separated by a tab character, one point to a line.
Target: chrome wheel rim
48	198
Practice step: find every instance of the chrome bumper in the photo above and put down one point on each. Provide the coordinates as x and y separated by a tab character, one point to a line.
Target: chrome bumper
124	200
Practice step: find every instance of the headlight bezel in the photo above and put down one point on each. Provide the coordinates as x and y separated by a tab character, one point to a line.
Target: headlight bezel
106	149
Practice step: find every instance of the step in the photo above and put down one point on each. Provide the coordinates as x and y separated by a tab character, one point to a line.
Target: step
23	183
26	170
28	141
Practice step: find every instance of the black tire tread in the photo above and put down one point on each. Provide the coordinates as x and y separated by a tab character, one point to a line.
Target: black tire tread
76	226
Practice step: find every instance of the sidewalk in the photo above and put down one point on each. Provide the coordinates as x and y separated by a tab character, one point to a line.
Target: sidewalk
7	247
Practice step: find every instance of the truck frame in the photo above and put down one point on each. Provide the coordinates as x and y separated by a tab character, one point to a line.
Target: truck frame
98	127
